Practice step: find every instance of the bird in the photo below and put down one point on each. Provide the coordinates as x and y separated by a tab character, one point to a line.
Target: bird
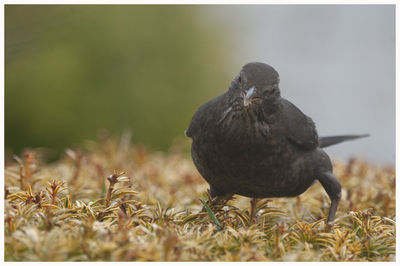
252	142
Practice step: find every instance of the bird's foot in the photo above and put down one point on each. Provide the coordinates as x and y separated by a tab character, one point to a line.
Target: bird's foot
216	203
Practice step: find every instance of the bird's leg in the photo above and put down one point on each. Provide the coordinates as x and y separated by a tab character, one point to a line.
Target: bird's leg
333	188
253	205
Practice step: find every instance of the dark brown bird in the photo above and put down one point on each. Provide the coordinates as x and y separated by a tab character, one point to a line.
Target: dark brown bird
252	142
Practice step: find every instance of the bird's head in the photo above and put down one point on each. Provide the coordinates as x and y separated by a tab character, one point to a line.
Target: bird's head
255	84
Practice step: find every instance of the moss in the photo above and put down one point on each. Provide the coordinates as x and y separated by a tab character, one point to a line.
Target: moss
71	211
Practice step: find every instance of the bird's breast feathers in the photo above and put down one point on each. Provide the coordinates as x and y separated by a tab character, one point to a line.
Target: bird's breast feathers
241	125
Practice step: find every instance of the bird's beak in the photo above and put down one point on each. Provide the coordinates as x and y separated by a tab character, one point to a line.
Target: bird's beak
248	96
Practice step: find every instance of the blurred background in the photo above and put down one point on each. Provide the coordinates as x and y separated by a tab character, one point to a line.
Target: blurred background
73	70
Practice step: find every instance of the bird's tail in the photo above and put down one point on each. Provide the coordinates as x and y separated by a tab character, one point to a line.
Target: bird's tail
328	141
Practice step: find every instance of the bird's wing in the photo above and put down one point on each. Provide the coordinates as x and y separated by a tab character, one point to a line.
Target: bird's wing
299	127
203	115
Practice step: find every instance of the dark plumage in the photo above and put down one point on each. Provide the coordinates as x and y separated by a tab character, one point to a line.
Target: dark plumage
252	142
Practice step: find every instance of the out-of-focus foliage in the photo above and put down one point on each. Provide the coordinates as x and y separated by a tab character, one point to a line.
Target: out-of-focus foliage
70	211
72	70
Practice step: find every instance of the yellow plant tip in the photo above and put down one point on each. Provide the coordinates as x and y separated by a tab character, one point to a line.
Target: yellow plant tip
19	161
71	154
123	179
